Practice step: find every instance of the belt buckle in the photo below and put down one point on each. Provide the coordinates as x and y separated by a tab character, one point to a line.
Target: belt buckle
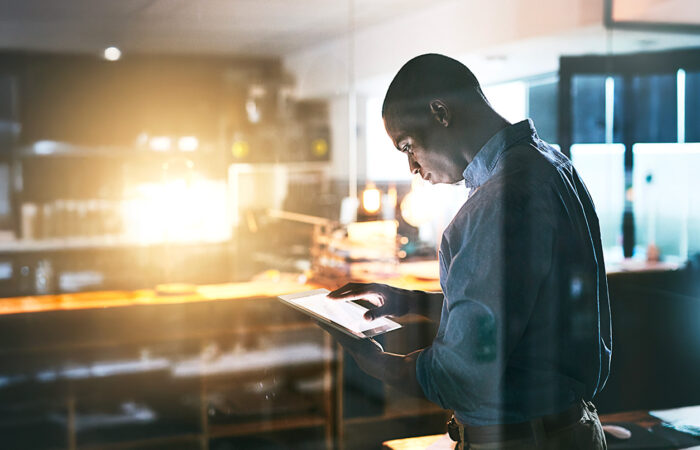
453	429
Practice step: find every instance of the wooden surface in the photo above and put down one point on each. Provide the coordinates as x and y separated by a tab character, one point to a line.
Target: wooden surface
270	287
422	275
437	441
113	299
641	418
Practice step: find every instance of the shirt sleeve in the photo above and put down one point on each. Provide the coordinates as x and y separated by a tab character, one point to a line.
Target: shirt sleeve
501	252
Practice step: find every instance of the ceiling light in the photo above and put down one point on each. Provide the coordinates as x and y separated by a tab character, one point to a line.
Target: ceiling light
112	53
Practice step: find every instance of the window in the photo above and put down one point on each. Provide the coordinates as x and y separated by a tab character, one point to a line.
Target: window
508	99
384	162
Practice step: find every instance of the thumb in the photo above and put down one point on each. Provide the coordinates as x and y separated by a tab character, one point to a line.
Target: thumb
374	313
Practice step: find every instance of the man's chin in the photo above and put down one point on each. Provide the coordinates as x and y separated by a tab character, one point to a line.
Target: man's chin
433	180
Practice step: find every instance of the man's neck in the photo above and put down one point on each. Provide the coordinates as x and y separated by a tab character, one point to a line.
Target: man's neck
483	129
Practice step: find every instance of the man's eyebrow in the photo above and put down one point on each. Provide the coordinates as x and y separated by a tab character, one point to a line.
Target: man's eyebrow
400	138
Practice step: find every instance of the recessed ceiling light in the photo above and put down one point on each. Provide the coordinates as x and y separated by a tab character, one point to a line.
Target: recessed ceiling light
112	53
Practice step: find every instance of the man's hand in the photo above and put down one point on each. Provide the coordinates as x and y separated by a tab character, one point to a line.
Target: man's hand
388	300
396	370
363	348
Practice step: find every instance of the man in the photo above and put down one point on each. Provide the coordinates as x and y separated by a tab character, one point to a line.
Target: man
524	341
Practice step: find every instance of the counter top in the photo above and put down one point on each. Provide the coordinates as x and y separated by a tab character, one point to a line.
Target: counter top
420	275
641	419
228	291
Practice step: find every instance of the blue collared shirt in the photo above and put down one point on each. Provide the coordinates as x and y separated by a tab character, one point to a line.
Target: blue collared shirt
525	328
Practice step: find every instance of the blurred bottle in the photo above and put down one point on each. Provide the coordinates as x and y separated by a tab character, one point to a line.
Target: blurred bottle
47	222
43	277
29	220
59	222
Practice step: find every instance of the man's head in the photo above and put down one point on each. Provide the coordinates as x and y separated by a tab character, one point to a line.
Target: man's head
435	113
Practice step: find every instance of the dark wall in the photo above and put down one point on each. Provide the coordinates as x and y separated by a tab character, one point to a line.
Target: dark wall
656	341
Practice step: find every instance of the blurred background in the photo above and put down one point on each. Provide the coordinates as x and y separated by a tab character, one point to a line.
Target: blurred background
168	167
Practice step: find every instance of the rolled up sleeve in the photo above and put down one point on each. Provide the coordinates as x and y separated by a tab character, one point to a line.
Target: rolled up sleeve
459	369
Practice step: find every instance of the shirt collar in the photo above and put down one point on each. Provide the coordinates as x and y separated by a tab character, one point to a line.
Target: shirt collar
481	168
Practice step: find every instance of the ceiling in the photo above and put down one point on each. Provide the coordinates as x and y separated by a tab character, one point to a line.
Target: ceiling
241	27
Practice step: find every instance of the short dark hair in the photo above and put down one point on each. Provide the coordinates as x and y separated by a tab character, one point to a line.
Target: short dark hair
425	78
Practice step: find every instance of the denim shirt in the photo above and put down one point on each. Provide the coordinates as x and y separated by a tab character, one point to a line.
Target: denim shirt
525	329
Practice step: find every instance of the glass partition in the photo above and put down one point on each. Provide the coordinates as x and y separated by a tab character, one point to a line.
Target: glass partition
168	169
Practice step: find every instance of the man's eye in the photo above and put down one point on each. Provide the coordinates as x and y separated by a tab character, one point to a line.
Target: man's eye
406	149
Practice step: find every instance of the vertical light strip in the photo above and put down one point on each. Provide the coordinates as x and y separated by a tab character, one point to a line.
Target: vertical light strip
526	94
609	109
680	102
352	104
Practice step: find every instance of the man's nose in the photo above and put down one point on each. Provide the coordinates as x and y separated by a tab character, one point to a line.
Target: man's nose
413	165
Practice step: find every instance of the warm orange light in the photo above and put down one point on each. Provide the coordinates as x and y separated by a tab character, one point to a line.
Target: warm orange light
371	199
188	143
417	207
160	143
320	147
240	149
177	210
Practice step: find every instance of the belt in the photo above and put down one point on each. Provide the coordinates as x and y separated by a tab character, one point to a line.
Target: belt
533	429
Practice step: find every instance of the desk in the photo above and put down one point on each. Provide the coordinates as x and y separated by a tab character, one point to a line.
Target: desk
266	288
68	360
442	442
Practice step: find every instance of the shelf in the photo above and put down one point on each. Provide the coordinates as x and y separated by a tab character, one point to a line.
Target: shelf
292	166
281	424
100	242
63	149
392	415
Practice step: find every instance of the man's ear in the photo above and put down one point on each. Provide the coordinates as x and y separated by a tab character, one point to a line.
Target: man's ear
441	112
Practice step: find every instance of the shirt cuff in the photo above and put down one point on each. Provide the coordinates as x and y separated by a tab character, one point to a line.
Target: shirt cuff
424	365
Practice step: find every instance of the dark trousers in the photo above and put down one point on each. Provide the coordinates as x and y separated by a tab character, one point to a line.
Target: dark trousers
586	434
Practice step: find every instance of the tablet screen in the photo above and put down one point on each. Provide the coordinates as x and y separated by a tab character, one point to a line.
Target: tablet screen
348	315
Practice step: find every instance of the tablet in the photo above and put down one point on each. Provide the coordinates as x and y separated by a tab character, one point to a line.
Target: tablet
345	316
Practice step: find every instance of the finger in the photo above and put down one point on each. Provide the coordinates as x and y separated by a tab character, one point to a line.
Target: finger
369	297
348	288
358	293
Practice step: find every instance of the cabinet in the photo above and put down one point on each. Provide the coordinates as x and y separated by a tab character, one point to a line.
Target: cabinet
212	374
220	375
